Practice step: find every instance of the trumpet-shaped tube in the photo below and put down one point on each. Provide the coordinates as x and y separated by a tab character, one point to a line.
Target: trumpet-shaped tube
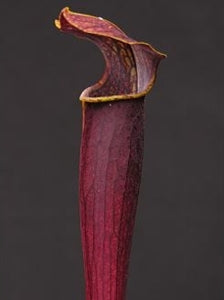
111	151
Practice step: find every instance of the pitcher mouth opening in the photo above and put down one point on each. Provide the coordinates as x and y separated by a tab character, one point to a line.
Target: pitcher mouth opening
130	66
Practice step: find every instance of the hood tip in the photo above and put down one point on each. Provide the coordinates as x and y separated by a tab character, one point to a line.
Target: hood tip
57	23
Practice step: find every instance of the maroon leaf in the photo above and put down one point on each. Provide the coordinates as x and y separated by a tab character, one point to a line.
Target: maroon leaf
111	151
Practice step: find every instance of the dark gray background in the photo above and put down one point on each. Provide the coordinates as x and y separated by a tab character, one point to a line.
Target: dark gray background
178	247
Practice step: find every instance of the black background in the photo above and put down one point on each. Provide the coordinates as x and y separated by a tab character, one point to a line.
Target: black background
179	236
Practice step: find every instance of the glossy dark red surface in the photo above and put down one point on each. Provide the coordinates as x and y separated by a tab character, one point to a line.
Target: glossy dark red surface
110	174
